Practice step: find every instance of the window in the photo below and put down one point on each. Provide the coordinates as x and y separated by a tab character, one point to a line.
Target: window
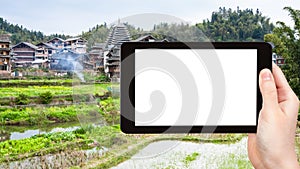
3	67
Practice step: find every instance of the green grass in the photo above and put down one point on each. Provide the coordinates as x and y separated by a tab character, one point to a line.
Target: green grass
235	161
190	158
214	138
42	115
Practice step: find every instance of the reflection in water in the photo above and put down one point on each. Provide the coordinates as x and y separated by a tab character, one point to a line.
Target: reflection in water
30	133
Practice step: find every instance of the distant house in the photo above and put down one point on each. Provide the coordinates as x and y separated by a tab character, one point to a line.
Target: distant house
77	44
112	62
117	36
45	50
57	42
145	38
24	54
96	55
279	60
5	54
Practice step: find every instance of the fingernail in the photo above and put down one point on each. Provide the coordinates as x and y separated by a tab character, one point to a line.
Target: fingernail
266	75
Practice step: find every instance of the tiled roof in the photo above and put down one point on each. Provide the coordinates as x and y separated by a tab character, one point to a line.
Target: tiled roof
27	44
76	38
118	35
47	45
144	37
56	38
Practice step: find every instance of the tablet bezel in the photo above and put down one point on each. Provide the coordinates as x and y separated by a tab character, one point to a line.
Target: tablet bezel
264	60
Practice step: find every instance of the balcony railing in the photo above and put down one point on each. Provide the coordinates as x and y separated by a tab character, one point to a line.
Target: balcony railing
6	49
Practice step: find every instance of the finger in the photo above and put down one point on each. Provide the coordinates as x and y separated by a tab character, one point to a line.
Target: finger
268	89
283	88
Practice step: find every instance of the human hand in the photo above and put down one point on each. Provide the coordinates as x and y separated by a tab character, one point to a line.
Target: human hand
273	146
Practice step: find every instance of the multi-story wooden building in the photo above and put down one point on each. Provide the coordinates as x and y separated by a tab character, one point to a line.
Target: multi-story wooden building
77	44
5	54
117	36
57	42
24	54
45	51
96	56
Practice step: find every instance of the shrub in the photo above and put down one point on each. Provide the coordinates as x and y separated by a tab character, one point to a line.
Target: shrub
110	110
22	99
46	97
103	78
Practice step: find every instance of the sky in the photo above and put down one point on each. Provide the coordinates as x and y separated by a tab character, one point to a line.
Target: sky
71	17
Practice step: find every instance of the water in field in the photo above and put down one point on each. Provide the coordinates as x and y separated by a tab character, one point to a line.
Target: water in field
190	155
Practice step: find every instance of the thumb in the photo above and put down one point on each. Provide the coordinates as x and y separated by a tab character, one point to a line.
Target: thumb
268	89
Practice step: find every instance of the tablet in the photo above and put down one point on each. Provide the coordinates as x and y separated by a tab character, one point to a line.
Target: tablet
177	87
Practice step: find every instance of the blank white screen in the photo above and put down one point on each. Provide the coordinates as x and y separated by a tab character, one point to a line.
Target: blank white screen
240	71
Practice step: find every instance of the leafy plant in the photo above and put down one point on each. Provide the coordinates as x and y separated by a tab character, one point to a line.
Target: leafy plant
41	115
22	99
46	97
103	78
110	110
39	144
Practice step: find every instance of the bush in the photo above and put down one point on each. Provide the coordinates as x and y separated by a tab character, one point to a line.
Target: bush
103	78
22	99
110	110
46	97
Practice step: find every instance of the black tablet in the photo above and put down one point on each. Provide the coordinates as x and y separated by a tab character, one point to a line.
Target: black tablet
177	87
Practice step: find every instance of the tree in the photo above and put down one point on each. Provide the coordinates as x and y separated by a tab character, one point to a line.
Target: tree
236	25
287	44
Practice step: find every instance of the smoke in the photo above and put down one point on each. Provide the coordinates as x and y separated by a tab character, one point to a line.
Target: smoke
78	70
69	61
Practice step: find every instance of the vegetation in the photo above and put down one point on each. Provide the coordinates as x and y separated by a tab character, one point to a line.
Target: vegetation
20	34
97	34
235	161
287	44
236	25
42	144
40	82
55	90
22	99
103	78
189	158
37	115
109	109
107	136
46	97
215	138
178	32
